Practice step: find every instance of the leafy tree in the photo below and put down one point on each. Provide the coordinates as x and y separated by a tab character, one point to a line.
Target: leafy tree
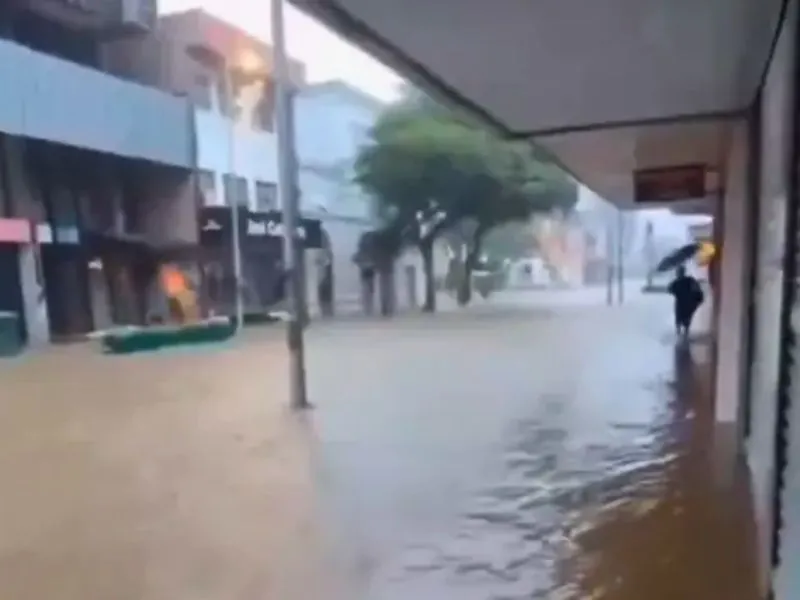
516	187
413	167
432	171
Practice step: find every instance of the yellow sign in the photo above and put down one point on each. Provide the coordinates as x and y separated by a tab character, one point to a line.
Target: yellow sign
706	253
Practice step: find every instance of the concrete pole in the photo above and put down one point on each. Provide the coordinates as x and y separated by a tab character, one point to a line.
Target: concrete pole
649	253
620	257
289	197
234	199
609	262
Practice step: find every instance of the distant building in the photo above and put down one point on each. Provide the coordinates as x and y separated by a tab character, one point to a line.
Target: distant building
333	120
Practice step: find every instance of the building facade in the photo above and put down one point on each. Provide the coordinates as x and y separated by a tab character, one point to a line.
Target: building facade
333	121
226	75
93	164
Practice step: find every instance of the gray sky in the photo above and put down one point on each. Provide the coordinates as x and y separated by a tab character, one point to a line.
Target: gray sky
326	55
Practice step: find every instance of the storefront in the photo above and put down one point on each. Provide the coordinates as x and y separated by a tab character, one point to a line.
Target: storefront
261	240
122	270
773	435
63	277
91	280
14	235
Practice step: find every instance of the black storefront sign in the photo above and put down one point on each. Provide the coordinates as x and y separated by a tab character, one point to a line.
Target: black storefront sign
255	228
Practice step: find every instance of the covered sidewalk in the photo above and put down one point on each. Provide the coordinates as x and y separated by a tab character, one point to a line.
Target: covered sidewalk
670	103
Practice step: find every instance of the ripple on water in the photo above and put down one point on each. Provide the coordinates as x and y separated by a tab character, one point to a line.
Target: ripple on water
513	536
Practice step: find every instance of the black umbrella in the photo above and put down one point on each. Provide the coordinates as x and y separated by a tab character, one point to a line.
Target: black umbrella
678	257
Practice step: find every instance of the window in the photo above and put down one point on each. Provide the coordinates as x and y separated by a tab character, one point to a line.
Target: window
64	209
265	109
236	190
207	187
266	196
223	100
201	93
240	101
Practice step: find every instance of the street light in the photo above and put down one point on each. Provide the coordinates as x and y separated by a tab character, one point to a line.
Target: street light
251	66
289	196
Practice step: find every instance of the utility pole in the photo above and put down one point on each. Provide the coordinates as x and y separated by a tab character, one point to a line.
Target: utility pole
620	256
649	252
288	195
230	99
609	262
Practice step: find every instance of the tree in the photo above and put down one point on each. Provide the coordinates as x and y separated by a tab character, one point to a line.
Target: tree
431	170
413	166
518	186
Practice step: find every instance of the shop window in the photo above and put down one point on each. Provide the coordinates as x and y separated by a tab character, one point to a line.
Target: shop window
207	187
266	196
202	91
236	190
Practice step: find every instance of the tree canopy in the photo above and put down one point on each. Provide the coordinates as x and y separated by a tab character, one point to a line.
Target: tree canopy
429	169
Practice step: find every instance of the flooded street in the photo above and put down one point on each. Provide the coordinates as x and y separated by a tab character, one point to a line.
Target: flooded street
512	451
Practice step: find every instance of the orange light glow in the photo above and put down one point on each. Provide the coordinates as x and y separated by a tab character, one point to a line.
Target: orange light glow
706	253
250	63
173	281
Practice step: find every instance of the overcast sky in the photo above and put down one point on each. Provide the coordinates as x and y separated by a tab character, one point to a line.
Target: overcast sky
326	55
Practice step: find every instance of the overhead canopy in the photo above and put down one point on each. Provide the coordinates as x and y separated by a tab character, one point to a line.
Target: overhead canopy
607	85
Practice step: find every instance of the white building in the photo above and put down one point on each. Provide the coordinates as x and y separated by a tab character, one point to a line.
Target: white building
331	122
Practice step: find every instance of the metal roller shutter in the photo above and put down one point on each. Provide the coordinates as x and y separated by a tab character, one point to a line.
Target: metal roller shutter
786	506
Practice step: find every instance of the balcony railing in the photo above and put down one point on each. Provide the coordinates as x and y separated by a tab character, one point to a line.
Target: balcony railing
51	99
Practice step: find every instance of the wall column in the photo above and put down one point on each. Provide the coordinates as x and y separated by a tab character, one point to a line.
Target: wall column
24	205
732	296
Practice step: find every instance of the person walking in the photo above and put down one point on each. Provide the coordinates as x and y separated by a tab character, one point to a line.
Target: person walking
688	296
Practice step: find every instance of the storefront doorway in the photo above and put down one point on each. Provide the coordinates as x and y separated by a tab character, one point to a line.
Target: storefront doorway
261	241
11	299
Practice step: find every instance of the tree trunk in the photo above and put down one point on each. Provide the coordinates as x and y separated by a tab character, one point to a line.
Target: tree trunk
470	261
387	291
368	277
426	251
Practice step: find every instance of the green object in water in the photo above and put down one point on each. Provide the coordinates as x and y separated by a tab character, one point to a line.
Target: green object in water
259	318
155	338
11	342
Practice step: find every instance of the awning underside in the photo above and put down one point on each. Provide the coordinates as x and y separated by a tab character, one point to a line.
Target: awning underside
558	70
538	66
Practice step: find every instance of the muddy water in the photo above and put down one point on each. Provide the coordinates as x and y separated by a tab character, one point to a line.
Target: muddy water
161	477
451	459
638	516
605	487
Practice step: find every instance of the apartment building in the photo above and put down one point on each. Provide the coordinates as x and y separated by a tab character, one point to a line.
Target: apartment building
92	168
227	76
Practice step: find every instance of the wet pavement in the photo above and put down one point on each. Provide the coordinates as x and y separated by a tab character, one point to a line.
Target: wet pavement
517	450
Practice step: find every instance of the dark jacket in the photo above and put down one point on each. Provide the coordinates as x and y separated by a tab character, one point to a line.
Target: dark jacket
687	293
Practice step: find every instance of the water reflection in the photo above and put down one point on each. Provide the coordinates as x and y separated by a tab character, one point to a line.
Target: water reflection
625	514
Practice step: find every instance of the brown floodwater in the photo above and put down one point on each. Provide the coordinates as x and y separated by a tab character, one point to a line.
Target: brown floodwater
450	468
674	526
